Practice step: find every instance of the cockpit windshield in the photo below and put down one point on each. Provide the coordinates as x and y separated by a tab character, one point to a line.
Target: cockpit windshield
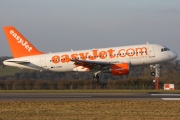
165	49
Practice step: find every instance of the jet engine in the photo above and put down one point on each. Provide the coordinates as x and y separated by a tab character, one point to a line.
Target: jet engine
119	69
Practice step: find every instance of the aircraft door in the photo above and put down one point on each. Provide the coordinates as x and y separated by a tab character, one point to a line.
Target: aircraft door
151	52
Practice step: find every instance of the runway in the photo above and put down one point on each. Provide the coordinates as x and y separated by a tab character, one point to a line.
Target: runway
85	96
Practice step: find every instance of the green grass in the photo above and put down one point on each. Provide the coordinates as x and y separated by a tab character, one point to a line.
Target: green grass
89	91
8	70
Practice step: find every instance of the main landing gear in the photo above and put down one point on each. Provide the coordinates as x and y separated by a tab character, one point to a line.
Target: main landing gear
96	77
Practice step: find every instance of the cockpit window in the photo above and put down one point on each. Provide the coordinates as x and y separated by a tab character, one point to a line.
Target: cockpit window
165	49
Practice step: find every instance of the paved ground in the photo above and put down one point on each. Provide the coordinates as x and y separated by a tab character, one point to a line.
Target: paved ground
85	96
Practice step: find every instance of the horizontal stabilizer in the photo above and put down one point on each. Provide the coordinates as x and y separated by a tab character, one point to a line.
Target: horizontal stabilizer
18	62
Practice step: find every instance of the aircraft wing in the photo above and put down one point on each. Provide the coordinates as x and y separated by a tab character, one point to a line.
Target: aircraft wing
94	64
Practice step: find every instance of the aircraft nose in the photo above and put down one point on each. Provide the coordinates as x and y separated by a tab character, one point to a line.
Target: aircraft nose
175	55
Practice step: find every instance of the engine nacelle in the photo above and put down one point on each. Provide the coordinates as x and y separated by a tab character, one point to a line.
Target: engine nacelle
120	69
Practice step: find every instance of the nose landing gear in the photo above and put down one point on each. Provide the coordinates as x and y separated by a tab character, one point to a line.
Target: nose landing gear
152	73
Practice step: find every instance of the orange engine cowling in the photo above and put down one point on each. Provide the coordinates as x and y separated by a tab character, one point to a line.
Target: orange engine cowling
120	69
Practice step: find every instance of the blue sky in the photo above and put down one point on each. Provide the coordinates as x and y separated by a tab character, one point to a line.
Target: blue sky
61	25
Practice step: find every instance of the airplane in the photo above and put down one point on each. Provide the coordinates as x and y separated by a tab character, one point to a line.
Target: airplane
114	60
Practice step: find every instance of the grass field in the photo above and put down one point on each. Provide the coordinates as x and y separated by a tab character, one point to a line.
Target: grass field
90	110
8	70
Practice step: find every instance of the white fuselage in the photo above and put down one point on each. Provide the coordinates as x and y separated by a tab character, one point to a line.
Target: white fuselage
61	61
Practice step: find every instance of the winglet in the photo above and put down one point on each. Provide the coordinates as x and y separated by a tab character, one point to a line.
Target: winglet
19	45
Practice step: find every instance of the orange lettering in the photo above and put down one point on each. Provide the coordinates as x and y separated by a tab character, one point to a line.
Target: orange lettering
121	54
140	50
55	59
74	56
94	55
111	54
83	55
130	52
102	54
65	58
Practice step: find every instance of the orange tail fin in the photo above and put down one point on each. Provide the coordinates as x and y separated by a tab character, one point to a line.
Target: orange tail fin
19	45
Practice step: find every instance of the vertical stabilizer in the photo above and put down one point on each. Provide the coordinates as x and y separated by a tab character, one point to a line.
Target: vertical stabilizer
19	45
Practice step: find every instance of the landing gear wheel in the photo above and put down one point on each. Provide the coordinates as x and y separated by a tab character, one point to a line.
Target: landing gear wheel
153	73
96	78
